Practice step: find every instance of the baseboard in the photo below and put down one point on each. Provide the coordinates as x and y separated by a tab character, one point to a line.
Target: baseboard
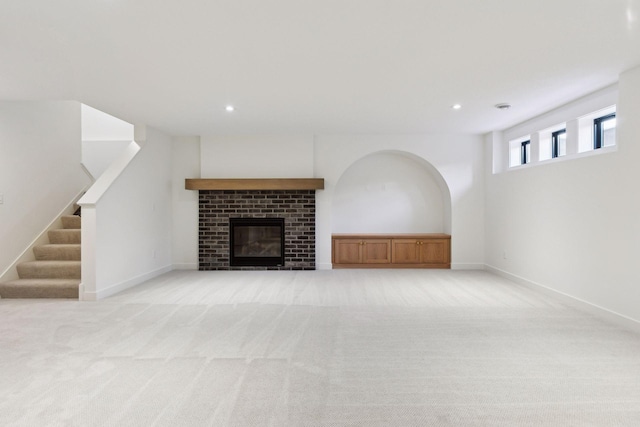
324	266
609	315
468	266
185	266
119	287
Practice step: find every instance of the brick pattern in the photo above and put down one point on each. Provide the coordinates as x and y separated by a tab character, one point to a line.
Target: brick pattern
297	207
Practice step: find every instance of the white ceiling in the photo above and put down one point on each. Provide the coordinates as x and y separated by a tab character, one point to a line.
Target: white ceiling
316	67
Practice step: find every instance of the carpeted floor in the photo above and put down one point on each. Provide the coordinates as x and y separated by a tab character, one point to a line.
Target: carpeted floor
326	348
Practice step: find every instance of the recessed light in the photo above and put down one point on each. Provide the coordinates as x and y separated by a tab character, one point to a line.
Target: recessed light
229	108
503	106
456	106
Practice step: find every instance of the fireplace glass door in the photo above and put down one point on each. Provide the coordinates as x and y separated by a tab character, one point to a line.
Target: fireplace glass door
256	242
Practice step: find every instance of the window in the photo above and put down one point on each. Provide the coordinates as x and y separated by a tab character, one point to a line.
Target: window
525	152
519	148
559	143
597	130
582	128
604	131
552	142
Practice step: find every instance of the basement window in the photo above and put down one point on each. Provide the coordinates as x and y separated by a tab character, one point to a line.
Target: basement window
559	135
604	131
520	151
597	130
559	143
552	142
525	152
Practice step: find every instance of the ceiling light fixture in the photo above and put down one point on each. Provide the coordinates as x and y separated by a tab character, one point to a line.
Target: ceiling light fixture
229	108
503	106
456	106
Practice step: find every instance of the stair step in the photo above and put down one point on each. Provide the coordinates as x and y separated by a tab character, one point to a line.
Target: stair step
71	222
66	252
49	270
63	236
40	288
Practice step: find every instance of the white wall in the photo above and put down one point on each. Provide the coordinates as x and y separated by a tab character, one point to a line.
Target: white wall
100	126
186	164
573	226
40	171
98	155
257	156
132	221
104	137
388	193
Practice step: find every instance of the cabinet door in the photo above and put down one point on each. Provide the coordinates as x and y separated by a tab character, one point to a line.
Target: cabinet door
435	251
347	251
405	251
376	251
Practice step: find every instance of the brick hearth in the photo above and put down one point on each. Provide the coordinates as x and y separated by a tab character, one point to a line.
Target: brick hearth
297	207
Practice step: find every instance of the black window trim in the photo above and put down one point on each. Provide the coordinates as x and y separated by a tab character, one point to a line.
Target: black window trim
524	158
555	146
598	131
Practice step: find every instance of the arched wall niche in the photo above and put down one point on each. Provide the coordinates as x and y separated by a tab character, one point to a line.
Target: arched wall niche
391	192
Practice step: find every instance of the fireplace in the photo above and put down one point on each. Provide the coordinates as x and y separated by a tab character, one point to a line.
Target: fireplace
295	207
256	242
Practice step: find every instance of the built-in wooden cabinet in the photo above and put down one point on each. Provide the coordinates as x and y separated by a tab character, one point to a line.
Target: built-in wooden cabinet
391	251
353	250
426	250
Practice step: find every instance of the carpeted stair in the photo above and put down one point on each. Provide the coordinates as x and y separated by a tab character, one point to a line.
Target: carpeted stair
56	271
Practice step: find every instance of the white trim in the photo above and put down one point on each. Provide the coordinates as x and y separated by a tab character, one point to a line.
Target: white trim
186	266
467	266
596	152
616	318
324	266
119	287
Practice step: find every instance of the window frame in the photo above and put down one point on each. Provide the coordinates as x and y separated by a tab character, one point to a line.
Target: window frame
555	145
524	156
598	130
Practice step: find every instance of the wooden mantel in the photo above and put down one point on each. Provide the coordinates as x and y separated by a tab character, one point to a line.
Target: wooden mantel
254	184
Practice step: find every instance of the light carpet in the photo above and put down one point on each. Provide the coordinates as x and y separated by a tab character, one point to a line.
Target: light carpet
325	348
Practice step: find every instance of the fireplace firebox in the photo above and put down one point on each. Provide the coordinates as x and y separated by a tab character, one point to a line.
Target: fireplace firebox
256	242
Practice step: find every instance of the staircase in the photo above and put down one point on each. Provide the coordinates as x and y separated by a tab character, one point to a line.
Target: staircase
56	271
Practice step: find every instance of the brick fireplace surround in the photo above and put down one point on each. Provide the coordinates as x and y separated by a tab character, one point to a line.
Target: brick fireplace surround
297	207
